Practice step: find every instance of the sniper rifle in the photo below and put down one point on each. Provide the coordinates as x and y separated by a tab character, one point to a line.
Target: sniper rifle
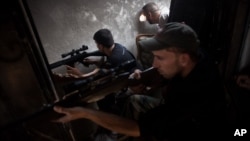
75	56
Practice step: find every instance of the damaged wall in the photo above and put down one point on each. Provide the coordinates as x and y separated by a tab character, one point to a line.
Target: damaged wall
64	25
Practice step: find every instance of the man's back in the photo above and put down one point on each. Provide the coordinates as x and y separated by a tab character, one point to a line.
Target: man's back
119	55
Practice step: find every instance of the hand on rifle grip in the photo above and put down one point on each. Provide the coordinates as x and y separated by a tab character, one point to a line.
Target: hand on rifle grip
73	71
69	113
136	74
64	77
138	88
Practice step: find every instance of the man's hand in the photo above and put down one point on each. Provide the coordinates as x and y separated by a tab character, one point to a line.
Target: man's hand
73	71
243	81
64	77
69	113
140	88
110	121
136	74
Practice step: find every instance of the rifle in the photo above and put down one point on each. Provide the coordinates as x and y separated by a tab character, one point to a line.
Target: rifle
91	90
87	91
75	56
101	76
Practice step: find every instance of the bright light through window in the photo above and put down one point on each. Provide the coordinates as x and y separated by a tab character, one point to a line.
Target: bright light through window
142	18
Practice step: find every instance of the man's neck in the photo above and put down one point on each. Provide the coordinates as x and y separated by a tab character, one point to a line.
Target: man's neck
157	15
188	69
108	51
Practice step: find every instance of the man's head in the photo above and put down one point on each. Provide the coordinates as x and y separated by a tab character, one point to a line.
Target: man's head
175	49
103	39
152	12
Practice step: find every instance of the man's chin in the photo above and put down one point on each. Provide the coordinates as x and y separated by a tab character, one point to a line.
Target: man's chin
162	74
150	22
165	75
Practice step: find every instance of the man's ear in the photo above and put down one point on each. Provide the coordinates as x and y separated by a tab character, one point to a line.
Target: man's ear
102	46
184	59
149	14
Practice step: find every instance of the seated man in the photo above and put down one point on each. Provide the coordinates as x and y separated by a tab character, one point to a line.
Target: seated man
144	98
115	53
153	15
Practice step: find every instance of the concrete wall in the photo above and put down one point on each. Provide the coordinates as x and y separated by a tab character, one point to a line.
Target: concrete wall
64	25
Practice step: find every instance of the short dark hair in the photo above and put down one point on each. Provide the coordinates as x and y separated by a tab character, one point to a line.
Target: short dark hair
150	7
104	37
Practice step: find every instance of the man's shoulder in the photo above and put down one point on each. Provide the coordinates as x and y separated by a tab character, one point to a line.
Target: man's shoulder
163	19
119	45
117	49
206	68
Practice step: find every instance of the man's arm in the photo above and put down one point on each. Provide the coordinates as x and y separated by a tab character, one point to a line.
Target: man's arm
74	72
110	121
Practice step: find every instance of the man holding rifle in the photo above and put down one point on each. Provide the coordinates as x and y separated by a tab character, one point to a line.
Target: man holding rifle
194	98
116	54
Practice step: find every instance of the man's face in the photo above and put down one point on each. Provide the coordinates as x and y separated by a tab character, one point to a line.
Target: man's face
99	46
167	63
148	17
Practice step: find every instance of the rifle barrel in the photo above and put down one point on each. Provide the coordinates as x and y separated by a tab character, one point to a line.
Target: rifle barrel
75	58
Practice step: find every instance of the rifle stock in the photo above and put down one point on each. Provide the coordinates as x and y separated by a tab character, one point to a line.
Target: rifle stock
77	98
91	92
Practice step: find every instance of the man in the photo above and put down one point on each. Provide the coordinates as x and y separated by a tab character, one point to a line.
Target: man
153	15
116	54
141	102
194	98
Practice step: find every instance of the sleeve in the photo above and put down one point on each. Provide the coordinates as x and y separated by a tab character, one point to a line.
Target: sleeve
163	123
154	123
